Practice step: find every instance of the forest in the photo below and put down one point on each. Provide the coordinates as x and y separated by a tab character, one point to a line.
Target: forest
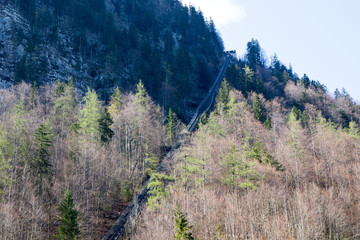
276	157
171	47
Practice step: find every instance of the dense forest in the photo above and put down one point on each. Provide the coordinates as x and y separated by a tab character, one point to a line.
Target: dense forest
277	158
52	141
104	44
102	89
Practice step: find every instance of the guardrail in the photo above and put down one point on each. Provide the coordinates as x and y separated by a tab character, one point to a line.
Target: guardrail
131	212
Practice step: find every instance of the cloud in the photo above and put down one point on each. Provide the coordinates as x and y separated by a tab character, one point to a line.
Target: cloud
222	12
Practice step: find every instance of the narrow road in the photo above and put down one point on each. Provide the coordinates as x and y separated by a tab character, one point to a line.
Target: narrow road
131	212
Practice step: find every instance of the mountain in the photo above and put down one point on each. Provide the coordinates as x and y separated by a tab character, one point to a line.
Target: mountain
277	158
109	43
94	93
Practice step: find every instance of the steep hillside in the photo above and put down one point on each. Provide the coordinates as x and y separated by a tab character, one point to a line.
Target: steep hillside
278	159
107	43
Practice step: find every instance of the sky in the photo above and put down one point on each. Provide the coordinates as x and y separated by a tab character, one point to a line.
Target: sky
320	38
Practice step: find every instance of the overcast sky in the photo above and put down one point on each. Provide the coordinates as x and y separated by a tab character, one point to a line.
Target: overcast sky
318	37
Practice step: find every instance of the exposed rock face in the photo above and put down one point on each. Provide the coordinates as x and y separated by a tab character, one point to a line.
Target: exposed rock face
11	50
107	43
56	58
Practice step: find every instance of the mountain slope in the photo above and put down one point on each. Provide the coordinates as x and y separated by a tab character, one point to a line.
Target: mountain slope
103	44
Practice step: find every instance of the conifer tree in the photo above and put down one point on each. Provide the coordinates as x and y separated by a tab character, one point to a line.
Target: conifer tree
115	102
267	123
64	109
104	125
248	79
69	228
90	115
222	98
141	95
258	108
157	189
240	169
43	141
170	127
182	226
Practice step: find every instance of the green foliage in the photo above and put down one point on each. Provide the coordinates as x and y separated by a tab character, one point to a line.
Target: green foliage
141	95
90	115
105	122
258	108
240	172
213	125
64	109
182	227
69	228
115	102
267	123
259	153
43	141
254	55
152	162
222	98
157	189
353	129
6	150
170	127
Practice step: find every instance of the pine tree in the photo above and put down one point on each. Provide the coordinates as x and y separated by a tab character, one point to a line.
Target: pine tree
43	141
248	79
69	228
64	109
115	102
222	98
90	115
267	123
258	108
157	189
170	127
141	95
240	169
182	226
104	124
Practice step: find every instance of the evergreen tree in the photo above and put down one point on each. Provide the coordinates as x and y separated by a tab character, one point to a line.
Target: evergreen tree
90	115
43	141
115	102
141	95
69	228
240	169
182	226
254	55
249	81
222	98
258	108
157	189
286	77
267	123
170	127
64	109
104	125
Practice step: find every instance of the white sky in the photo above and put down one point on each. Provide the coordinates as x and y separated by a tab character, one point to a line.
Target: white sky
223	12
318	37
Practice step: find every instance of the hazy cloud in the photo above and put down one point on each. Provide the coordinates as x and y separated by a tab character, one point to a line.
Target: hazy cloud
222	12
